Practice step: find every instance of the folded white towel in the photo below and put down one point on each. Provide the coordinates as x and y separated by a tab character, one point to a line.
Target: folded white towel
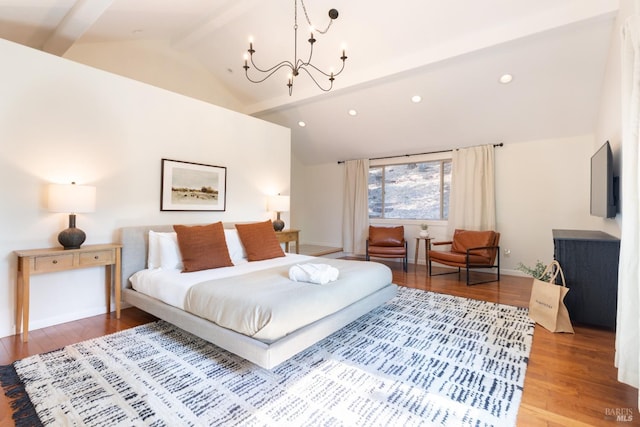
320	274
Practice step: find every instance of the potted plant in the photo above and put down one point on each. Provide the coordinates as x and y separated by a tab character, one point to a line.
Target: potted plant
424	230
536	271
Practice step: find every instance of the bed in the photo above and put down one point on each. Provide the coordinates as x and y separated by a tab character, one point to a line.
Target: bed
264	346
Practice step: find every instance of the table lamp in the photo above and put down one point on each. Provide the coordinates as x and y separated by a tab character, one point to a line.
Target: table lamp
278	204
72	199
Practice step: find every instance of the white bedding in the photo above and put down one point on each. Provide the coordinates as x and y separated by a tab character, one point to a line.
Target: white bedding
171	285
258	299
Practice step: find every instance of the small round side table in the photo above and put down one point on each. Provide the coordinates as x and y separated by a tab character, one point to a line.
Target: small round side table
427	247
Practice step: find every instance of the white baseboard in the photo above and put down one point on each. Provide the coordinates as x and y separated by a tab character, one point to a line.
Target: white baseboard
56	320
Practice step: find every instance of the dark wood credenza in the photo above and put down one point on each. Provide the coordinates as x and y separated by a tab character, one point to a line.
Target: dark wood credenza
589	260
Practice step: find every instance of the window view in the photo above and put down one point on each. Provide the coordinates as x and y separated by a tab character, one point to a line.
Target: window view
410	191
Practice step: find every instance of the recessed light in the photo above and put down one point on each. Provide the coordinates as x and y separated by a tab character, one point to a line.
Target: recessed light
353	112
506	78
416	98
301	124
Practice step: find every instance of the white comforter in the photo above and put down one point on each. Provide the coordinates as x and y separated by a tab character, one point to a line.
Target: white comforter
258	299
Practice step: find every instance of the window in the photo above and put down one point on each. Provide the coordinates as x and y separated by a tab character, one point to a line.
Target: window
410	190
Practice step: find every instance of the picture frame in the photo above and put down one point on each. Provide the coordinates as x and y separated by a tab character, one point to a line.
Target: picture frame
188	186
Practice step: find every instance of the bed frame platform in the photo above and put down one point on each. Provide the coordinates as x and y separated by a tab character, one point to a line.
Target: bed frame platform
134	258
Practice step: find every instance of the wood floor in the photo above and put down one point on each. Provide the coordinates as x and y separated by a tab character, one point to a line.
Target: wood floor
570	381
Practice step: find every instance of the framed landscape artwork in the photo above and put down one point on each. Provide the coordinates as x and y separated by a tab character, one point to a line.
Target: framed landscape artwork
190	186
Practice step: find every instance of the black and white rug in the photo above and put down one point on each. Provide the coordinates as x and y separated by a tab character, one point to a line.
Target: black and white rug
421	359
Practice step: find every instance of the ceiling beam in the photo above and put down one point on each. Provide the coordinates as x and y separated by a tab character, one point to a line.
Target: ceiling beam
79	19
559	17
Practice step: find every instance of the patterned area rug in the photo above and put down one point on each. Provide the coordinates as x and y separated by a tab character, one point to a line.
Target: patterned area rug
421	359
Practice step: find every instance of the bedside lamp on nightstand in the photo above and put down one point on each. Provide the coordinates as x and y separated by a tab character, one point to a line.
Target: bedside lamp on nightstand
72	199
278	204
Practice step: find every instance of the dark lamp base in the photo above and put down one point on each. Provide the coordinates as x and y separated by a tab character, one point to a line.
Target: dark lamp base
72	237
278	225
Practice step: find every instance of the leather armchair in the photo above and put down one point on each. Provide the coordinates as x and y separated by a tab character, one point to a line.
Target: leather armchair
387	242
469	249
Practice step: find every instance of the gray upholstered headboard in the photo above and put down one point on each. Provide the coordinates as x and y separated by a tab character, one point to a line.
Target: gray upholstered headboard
135	247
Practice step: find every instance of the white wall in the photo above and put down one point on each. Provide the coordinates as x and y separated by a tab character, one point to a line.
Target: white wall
61	121
609	123
316	195
540	185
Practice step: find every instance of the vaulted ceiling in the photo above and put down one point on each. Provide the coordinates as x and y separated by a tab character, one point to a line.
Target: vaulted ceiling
451	53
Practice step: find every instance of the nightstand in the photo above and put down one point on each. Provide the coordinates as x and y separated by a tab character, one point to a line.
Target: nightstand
286	236
39	261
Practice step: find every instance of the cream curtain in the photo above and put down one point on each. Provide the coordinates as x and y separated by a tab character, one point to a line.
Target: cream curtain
355	214
628	318
472	202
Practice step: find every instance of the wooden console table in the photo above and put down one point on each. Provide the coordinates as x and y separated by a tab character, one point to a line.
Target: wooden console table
38	261
286	236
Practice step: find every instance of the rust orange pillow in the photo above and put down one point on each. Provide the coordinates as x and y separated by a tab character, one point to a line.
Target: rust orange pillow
259	240
202	247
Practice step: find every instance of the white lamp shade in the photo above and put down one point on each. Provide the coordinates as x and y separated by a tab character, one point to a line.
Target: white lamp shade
72	198
278	203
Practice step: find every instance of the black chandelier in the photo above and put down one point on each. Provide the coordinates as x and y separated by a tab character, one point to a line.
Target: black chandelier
297	65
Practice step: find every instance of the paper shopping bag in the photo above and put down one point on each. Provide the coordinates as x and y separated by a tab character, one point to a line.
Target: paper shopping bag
546	306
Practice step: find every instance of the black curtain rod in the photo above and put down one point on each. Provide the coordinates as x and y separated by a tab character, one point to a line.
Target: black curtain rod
417	154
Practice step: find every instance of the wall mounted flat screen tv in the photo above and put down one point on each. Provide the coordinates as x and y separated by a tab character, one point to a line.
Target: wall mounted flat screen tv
603	183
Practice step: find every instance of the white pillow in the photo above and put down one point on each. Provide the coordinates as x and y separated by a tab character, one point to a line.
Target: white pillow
237	252
170	256
153	259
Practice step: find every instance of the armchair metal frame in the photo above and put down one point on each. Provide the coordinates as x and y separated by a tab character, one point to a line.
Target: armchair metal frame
404	257
468	266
